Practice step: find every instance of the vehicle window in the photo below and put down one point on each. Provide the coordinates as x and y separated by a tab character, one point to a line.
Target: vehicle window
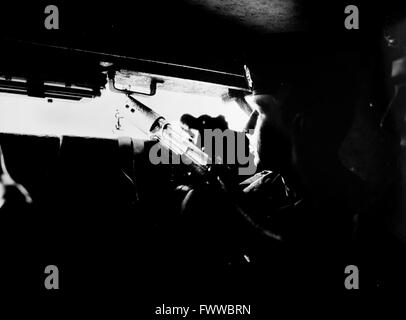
98	117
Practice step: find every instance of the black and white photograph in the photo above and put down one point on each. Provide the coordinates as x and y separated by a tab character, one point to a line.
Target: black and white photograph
201	159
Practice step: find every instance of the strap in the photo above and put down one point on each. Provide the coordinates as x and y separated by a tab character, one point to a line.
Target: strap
128	150
127	167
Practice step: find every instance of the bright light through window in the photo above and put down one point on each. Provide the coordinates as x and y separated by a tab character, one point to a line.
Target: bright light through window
98	117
